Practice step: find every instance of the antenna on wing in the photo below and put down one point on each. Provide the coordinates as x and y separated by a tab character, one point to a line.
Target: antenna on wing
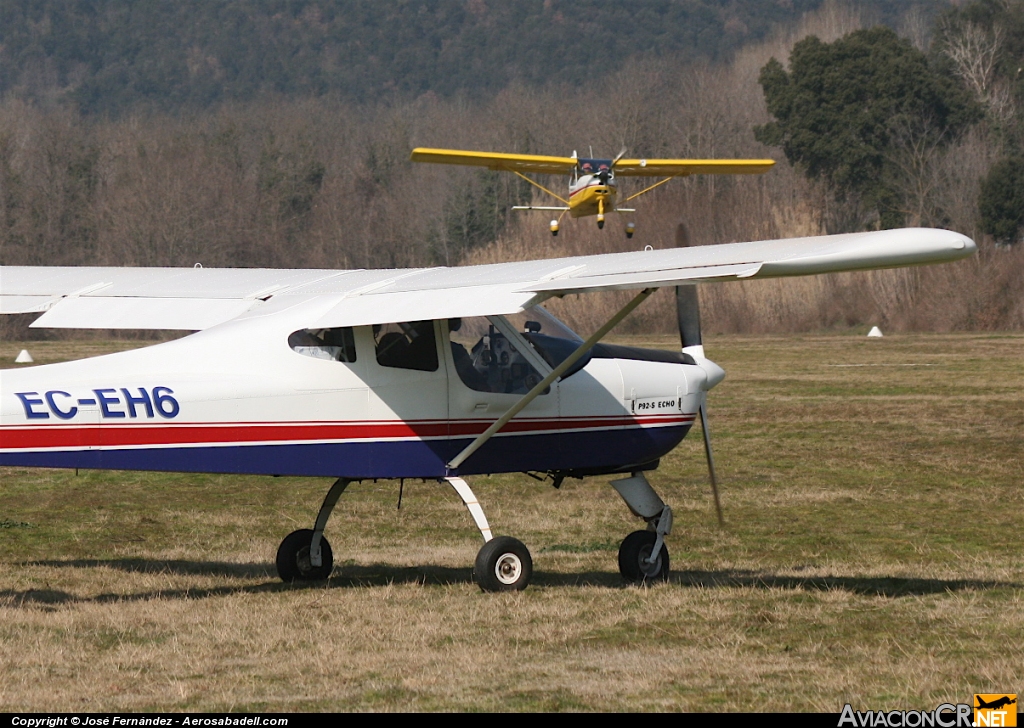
688	316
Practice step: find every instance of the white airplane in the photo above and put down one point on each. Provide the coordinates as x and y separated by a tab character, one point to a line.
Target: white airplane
434	373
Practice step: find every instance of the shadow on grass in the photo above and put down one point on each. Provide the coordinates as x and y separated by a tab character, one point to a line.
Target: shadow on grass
165	566
355	576
882	586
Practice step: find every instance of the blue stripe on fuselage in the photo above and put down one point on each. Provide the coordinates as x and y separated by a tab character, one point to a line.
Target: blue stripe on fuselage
396	459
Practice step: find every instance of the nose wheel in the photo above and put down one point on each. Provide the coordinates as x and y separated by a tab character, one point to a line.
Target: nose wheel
643	555
635	563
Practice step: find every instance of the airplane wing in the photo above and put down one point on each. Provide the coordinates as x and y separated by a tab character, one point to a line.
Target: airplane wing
199	298
683	167
496	161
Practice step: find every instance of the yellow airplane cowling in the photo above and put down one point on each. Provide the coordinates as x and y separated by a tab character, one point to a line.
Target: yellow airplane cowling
592	200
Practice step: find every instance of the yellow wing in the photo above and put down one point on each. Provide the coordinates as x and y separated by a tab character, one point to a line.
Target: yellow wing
495	160
683	167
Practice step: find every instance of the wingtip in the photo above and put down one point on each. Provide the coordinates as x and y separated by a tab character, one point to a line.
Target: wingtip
967	245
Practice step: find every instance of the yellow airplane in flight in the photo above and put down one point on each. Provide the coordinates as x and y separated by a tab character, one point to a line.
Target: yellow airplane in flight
592	188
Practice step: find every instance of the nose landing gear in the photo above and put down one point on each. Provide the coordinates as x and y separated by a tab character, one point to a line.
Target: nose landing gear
643	556
635	563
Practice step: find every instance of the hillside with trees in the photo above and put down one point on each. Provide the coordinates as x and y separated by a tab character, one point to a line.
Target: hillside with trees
110	56
279	171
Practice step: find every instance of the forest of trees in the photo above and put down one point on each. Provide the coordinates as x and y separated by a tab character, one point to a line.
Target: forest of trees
114	153
112	56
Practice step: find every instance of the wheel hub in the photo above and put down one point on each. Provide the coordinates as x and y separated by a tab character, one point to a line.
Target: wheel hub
647	567
508	569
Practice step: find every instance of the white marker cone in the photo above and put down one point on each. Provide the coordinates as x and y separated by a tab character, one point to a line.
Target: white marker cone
875	333
24	357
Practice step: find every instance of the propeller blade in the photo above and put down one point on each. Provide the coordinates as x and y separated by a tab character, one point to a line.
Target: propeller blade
618	156
687	304
688	315
710	456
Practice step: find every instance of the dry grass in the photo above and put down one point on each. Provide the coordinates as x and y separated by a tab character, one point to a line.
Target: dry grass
872	555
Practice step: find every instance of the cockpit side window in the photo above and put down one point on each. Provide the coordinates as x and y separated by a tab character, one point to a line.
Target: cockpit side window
336	344
408	345
487	361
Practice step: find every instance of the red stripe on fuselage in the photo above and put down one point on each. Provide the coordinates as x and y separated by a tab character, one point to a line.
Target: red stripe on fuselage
109	435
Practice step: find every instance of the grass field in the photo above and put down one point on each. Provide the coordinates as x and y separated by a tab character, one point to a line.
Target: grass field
872	555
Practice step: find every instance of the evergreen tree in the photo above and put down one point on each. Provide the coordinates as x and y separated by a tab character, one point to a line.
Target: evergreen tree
841	107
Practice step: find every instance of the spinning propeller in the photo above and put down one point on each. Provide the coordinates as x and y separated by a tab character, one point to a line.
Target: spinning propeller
605	174
688	315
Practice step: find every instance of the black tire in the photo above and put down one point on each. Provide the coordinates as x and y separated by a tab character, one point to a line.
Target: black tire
293	558
633	552
503	564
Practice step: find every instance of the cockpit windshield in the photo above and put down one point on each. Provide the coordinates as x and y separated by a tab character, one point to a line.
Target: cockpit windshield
594	166
552	339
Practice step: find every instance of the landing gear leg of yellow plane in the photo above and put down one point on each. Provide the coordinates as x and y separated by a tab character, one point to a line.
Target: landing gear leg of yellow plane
600	214
504	563
555	223
305	555
643	556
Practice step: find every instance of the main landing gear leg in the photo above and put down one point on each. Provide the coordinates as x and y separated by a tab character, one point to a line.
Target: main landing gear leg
643	556
504	563
306	555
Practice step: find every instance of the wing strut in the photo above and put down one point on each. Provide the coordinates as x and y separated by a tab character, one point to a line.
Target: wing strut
546	381
538	185
648	189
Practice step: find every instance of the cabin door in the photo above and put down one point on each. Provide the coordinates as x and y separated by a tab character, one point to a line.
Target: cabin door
408	400
487	374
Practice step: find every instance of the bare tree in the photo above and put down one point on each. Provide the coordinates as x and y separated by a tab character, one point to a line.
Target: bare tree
974	52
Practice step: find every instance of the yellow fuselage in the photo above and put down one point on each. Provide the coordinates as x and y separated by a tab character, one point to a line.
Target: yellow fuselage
592	199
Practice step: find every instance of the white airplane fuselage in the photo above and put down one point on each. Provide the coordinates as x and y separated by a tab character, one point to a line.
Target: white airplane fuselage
238	399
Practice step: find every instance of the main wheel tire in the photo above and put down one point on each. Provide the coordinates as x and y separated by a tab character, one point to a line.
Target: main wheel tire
633	555
503	564
293	558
